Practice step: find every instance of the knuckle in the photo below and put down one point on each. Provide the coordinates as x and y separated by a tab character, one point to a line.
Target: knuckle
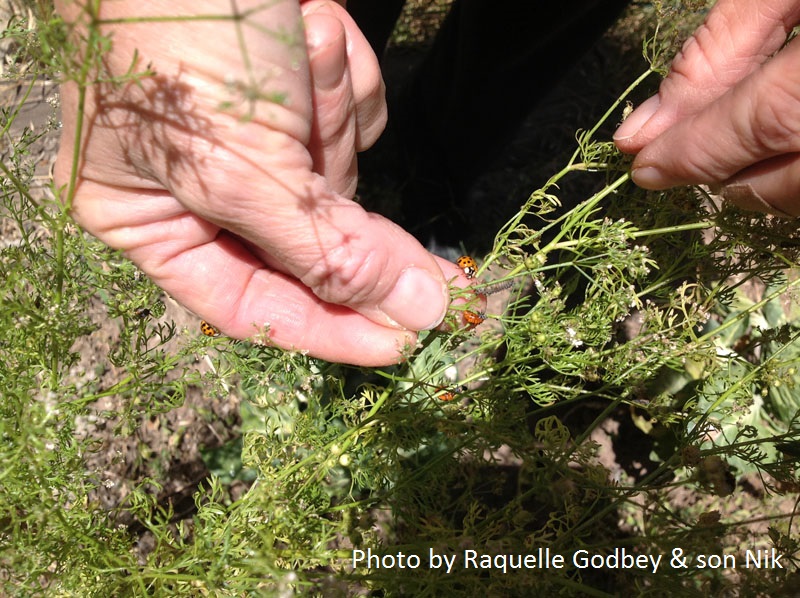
335	118
371	119
776	118
346	276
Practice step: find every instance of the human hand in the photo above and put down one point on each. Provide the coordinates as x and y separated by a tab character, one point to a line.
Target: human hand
728	113
227	176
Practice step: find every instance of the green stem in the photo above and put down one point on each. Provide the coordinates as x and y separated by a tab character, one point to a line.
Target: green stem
67	198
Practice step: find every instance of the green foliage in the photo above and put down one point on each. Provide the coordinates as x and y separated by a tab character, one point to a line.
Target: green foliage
659	310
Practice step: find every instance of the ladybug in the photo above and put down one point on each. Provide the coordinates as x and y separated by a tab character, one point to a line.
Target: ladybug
449	394
468	265
473	318
208	329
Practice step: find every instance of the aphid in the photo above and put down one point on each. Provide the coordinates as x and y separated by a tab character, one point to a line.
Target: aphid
473	318
468	265
627	110
448	394
208	329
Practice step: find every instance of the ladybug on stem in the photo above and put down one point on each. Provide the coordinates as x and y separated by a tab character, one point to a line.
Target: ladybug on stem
473	318
208	329
448	394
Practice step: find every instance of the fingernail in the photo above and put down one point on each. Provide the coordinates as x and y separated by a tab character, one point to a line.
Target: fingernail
637	119
650	177
418	301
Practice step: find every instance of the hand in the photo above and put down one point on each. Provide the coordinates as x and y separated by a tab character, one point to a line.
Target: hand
728	113
227	176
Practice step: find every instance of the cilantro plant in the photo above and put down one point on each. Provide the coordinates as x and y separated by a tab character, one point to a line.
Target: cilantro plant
664	314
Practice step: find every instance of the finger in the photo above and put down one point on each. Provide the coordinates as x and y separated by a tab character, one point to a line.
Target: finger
342	3
367	84
333	134
369	89
772	186
270	305
755	121
736	38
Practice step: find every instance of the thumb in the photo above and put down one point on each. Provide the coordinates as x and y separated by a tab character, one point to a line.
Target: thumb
373	266
344	254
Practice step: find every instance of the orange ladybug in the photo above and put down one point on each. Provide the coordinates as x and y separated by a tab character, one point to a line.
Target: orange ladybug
473	318
208	329
468	265
449	394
